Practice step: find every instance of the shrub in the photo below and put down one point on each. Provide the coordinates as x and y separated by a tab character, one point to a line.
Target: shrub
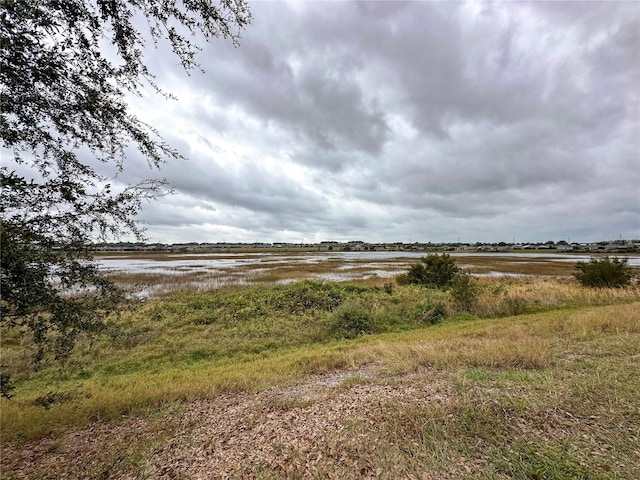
431	313
464	292
604	272
351	320
435	271
388	288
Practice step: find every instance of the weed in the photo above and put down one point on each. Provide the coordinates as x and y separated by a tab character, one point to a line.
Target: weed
515	304
46	401
352	320
429	313
6	386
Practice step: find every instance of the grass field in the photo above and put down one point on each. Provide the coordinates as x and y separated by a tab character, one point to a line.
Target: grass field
340	380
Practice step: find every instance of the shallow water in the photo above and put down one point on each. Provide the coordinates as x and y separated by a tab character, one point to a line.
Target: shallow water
206	271
223	262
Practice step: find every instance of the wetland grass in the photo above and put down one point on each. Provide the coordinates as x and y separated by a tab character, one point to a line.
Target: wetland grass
538	379
204	272
551	395
193	344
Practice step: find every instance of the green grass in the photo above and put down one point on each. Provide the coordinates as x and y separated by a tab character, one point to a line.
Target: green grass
548	394
190	345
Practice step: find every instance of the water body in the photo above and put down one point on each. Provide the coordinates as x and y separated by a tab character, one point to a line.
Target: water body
224	261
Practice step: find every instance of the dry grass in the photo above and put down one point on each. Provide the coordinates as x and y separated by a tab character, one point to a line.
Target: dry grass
517	265
539	380
549	395
517	296
178	355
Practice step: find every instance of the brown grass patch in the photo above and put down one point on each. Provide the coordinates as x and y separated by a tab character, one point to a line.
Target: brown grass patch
553	392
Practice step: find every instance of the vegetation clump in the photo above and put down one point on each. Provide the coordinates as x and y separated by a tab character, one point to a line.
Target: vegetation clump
604	273
435	271
309	295
46	401
464	291
430	313
352	320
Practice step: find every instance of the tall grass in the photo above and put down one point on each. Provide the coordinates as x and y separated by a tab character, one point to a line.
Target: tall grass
192	344
514	297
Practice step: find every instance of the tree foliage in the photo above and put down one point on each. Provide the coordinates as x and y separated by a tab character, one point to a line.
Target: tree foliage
66	69
604	273
435	271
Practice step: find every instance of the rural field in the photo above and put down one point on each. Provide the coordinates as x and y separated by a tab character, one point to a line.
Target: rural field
321	365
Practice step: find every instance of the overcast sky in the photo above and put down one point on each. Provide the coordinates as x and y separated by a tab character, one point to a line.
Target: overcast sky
423	121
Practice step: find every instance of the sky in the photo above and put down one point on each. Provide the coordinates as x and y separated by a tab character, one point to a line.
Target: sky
403	122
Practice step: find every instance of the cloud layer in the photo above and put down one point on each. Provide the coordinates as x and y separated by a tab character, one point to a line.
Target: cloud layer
390	121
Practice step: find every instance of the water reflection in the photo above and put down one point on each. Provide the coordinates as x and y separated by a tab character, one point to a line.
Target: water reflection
169	272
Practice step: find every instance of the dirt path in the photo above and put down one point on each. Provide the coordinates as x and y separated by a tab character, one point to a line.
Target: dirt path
324	427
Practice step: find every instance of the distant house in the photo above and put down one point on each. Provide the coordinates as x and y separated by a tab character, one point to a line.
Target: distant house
618	247
329	244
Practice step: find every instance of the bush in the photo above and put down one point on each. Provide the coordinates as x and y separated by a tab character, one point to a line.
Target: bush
464	292
435	271
430	313
604	273
351	320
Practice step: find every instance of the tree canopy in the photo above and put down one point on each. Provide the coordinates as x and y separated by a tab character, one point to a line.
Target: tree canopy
66	68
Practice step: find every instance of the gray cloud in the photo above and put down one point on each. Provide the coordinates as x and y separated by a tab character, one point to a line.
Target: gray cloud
390	120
